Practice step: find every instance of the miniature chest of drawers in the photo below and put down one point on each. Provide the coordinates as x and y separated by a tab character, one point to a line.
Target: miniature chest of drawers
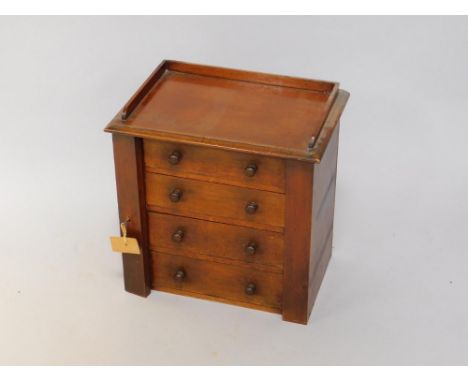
227	180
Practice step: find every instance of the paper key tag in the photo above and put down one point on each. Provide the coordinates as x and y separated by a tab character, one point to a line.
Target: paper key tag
125	245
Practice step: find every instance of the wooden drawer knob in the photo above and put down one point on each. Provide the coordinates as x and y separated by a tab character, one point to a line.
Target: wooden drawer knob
250	289
175	157
179	275
251	207
175	195
251	169
251	248
178	235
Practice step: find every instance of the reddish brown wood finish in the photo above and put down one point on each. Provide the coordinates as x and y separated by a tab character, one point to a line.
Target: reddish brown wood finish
215	165
221	242
214	108
143	90
219	121
298	225
325	87
215	202
310	201
129	174
328	128
323	210
216	280
236	110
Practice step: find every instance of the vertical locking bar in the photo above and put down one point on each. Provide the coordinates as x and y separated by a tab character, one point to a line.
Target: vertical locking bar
129	174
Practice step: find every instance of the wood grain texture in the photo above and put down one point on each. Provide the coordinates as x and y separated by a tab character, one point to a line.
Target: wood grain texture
236	110
143	90
214	108
129	174
310	201
216	280
256	77
329	126
215	165
298	225
215	241
186	293
219	121
215	202
323	214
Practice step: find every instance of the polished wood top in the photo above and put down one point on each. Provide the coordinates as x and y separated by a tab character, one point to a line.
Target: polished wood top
237	110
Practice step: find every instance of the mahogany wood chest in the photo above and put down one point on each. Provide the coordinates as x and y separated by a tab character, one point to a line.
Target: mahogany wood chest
226	179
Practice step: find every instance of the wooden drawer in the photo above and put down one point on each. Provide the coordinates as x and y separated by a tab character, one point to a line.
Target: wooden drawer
214	165
215	202
193	237
214	280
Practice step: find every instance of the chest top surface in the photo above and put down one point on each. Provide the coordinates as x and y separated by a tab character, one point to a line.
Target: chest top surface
233	109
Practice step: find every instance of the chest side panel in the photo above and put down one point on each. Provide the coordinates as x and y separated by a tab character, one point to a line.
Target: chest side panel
323	214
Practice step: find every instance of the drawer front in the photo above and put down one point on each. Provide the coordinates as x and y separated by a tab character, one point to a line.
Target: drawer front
246	170
232	283
193	237
214	202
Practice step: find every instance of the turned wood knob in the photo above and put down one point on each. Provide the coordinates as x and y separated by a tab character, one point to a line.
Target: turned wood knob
175	195
178	235
179	275
251	207
251	248
175	157
250	289
251	169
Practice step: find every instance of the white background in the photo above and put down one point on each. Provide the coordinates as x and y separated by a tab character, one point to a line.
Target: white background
396	288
